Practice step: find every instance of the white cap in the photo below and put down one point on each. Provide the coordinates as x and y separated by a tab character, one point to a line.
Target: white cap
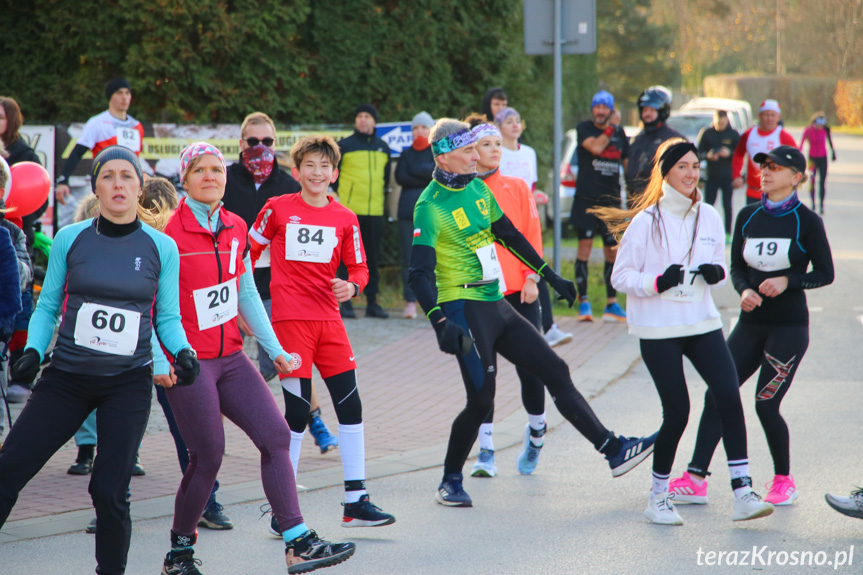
769	106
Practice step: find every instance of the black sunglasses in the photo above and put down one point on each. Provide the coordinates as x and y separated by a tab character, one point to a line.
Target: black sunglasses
268	142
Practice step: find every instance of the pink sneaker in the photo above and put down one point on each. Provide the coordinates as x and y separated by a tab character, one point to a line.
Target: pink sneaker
686	491
781	490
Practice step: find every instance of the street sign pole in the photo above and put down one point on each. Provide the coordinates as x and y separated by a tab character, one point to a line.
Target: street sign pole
558	131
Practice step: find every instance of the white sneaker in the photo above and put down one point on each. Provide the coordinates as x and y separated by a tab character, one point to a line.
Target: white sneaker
555	337
17	393
484	466
661	511
750	506
850	506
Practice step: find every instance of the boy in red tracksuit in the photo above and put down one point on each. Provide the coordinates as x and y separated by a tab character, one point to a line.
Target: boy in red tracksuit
309	234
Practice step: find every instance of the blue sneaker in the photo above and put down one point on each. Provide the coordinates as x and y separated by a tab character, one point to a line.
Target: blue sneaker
451	493
584	311
633	451
613	313
323	438
484	466
529	456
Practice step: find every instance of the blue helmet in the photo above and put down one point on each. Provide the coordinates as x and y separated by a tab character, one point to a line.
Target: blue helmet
658	98
602	97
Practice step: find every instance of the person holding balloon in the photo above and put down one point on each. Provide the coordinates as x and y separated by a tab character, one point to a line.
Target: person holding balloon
26	197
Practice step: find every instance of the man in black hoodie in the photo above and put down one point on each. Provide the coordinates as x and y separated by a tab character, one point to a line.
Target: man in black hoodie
716	145
654	107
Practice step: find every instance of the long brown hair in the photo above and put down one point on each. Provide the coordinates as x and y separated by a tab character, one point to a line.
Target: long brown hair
14	120
618	219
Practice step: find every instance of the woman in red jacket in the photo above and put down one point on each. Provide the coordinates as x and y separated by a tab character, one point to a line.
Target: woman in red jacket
216	285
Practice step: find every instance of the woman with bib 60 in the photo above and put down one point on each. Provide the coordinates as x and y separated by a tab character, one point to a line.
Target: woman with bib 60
110	279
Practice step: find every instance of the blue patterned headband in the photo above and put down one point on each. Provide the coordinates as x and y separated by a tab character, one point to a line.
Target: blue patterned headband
452	142
484	131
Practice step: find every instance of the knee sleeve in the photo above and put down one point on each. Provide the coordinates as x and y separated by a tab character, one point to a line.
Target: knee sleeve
297	392
609	290
346	397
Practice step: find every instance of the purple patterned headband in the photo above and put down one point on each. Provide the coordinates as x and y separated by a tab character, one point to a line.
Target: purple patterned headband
192	151
452	142
484	131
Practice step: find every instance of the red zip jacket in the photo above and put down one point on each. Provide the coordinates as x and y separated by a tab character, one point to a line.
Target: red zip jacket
209	287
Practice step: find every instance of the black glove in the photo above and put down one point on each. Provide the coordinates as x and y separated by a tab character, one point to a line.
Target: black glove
27	366
451	338
564	287
712	273
672	276
186	367
834	156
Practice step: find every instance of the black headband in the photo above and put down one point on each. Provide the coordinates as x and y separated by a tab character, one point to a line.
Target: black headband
673	154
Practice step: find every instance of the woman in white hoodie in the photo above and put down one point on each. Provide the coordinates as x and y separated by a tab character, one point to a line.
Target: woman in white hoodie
669	260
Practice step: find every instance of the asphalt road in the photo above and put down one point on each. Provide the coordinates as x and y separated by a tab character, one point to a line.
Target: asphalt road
570	516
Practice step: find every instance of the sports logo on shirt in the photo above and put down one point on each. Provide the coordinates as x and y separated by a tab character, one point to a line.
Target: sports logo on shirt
482	206
460	218
295	219
137	264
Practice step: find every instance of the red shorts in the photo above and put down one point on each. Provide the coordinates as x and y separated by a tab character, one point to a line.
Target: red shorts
322	343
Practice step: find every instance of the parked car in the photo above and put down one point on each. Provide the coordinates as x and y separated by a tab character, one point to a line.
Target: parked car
690	124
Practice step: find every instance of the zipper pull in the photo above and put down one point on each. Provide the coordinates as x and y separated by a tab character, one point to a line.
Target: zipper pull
232	266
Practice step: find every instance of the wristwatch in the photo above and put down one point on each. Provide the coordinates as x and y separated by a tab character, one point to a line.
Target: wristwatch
534	277
356	288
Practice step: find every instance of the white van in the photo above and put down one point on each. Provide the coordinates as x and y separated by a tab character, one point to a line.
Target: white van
740	110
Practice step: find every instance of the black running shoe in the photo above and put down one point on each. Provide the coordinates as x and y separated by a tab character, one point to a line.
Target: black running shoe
364	513
310	552
215	518
181	563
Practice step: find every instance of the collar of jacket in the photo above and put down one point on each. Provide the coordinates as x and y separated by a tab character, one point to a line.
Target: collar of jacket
366	137
676	203
193	213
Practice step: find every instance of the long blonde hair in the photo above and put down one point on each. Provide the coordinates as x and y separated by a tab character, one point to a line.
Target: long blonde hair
617	219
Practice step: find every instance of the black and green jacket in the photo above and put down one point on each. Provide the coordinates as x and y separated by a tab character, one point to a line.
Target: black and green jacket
364	174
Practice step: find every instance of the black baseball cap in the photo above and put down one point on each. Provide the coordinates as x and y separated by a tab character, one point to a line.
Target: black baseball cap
787	156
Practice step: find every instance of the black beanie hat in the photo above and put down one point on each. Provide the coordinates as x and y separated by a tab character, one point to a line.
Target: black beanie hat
369	108
114	85
114	153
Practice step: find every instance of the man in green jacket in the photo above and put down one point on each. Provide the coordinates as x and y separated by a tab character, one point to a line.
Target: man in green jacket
364	174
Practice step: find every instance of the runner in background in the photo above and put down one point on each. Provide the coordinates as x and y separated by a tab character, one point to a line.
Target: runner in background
112	127
519	161
817	133
768	134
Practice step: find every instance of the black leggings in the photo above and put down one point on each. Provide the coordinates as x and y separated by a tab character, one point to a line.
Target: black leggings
777	351
343	391
532	390
497	328
60	403
710	356
711	187
821	168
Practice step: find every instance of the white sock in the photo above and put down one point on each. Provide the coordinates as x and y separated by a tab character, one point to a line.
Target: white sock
486	436
696	480
352	448
536	422
296	446
739	469
659	486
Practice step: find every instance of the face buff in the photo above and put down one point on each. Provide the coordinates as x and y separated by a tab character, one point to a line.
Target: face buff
258	161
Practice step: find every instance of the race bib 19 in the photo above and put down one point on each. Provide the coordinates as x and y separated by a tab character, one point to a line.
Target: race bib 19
107	329
691	290
767	254
216	305
306	243
491	268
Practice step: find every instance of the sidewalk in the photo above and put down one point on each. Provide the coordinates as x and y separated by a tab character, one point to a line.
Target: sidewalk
411	393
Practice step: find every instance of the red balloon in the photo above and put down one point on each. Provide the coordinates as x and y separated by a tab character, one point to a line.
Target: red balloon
30	188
